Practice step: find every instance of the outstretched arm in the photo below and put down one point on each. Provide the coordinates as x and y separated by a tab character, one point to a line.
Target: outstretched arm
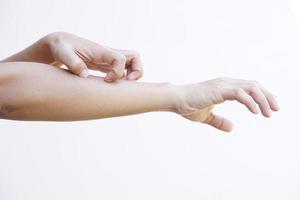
32	91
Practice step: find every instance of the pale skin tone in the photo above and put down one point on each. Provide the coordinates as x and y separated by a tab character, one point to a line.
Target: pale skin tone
79	55
32	90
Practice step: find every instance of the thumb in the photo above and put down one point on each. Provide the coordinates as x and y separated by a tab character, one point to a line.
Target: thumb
75	64
219	122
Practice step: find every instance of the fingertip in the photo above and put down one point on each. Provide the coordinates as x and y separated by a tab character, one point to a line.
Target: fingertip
275	107
273	102
130	77
219	122
227	127
84	73
267	114
135	75
255	110
228	130
109	78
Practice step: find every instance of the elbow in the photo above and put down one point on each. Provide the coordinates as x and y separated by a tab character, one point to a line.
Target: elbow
7	101
7	92
5	110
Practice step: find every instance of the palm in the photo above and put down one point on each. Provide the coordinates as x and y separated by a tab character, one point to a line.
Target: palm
199	115
205	115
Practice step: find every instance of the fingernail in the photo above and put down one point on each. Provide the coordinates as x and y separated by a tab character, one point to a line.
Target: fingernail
108	78
84	73
276	106
129	77
269	113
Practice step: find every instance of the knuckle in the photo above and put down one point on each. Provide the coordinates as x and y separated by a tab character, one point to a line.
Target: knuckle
254	88
117	72
55	38
238	92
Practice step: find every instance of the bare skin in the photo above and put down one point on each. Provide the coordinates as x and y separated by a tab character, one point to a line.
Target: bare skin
34	91
79	55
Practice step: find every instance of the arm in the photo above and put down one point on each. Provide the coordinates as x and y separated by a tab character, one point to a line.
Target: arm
79	54
37	52
32	91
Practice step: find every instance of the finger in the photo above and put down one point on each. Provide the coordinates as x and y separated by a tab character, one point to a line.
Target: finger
56	64
134	75
72	62
261	100
244	98
271	99
103	67
135	67
134	64
118	62
219	122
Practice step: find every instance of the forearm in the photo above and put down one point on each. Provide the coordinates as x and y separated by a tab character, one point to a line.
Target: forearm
31	91
37	52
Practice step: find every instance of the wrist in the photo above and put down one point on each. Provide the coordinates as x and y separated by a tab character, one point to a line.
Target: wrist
177	96
187	99
173	95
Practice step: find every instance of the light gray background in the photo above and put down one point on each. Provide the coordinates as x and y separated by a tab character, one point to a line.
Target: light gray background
160	155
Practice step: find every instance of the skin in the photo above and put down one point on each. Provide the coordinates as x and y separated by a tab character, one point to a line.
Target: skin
79	55
32	89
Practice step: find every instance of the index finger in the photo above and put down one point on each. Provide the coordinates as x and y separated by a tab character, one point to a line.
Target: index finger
135	67
118	62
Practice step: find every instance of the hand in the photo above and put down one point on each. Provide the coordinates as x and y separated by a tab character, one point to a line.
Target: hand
79	54
197	100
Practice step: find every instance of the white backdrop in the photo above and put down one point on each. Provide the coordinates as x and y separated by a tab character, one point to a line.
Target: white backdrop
159	155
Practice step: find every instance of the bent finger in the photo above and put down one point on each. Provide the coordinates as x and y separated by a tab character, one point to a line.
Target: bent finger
271	99
75	64
244	98
135	67
134	75
262	101
118	62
